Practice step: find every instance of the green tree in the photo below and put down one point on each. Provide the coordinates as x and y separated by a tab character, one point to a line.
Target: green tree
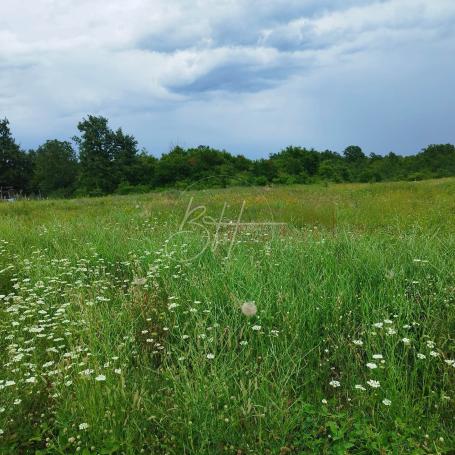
125	158
15	164
437	160
96	156
173	167
353	154
56	167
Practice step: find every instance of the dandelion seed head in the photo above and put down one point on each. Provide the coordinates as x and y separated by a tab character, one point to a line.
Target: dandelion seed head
249	309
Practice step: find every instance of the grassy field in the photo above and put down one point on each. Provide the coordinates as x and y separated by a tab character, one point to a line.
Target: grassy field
122	331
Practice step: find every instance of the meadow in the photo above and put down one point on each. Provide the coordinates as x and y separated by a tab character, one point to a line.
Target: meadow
125	331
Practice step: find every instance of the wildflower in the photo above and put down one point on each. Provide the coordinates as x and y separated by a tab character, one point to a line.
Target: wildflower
374	384
406	341
378	325
359	387
83	426
371	366
358	342
434	354
118	371
386	402
391	331
324	401
388	321
1	432
334	383
243	343
100	378
210	356
256	328
377	356
430	344
17	401
421	356
86	372
31	380
450	362
249	309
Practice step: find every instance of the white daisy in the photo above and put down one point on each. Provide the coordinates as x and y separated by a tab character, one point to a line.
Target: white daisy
374	384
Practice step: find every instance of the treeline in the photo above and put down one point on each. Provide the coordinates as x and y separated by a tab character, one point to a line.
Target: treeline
102	161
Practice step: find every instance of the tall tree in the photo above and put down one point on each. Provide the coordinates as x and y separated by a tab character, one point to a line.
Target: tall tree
125	158
56	168
354	154
15	165
95	155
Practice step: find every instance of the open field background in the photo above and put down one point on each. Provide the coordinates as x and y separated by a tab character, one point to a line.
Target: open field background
112	341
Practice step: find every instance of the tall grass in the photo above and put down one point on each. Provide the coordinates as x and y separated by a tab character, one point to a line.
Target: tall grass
113	341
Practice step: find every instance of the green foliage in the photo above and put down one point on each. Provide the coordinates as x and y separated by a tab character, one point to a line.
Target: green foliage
15	165
96	153
55	169
354	154
108	162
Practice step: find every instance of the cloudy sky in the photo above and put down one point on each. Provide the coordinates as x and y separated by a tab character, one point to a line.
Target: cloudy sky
250	76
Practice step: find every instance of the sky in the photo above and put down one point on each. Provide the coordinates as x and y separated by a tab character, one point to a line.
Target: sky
248	76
